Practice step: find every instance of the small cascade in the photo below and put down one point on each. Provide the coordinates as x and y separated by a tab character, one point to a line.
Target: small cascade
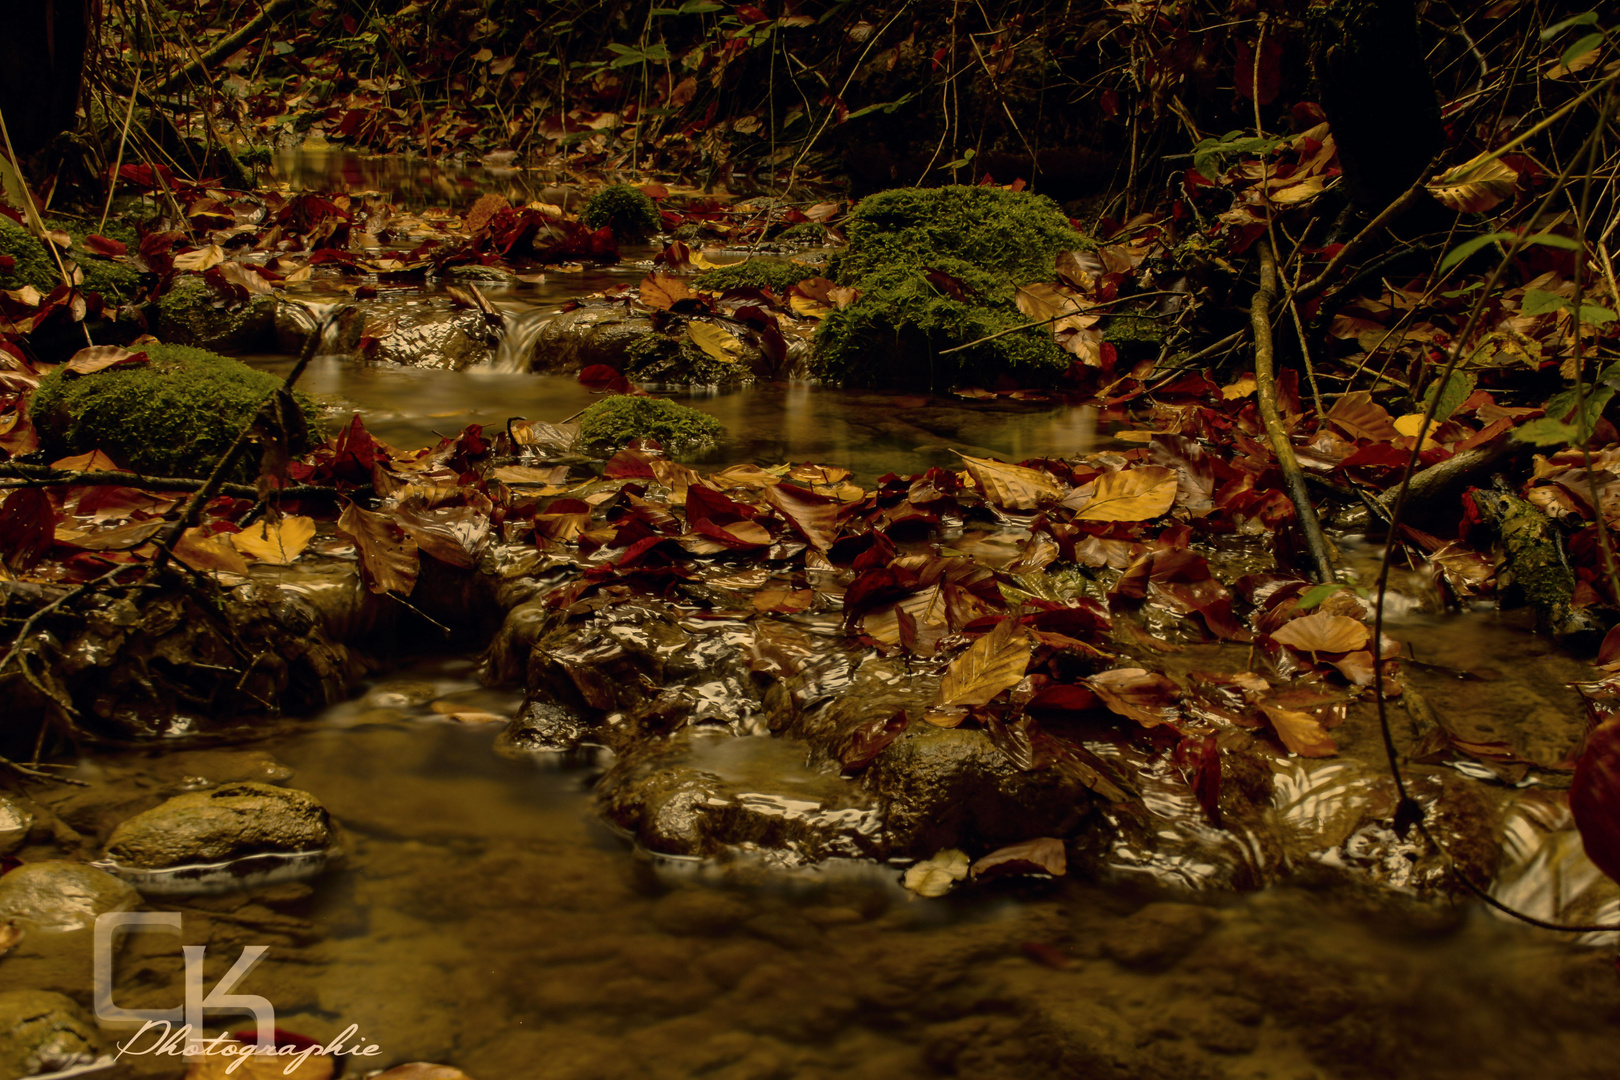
515	353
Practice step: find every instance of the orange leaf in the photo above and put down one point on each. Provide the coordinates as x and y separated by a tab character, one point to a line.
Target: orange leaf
815	517
1301	732
1127	495
663	291
1141	695
1358	416
202	552
1321	632
1012	486
387	555
279	543
1041	854
994	663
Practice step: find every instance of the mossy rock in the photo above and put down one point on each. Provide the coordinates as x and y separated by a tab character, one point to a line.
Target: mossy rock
813	233
656	359
173	416
191	313
987	239
33	264
776	275
610	424
626	210
1137	337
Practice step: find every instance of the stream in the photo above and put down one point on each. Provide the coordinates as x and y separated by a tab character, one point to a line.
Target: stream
484	915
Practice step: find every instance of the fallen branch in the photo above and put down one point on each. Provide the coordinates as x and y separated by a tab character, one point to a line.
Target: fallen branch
224	46
13	475
1076	313
1265	378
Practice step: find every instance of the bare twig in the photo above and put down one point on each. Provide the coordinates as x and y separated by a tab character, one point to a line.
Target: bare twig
225	46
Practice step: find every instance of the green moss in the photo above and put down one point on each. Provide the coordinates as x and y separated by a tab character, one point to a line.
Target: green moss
173	416
662	359
192	314
896	334
776	275
32	264
1137	337
624	209
805	232
612	423
1011	234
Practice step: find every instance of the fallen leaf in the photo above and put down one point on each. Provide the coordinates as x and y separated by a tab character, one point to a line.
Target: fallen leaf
488	205
1144	696
1358	416
1014	487
994	663
280	543
388	559
1041	855
1300	732
814	516
1127	495
200	259
663	291
96	358
1476	185
200	551
1594	797
714	341
938	875
1321	632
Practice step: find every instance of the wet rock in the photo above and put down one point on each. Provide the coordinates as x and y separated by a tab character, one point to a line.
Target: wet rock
15	823
480	275
192	313
296	320
1158	935
700	912
707	796
44	1032
400	694
432	334
229	822
540	728
58	896
194	769
590	334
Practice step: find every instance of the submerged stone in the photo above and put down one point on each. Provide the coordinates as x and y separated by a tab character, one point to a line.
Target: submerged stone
15	823
62	896
44	1032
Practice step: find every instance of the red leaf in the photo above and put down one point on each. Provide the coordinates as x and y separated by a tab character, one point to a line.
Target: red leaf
870	739
600	377
1200	762
1594	797
813	516
102	245
27	527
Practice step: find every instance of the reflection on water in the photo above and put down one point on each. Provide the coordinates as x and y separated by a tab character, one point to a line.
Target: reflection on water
410	183
868	433
486	919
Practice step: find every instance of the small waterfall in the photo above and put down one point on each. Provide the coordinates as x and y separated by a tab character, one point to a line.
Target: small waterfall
516	350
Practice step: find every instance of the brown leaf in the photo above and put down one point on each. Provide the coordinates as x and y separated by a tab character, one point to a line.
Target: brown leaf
452	534
1141	695
815	517
663	291
96	358
1043	301
488	205
1127	495
1358	416
1476	185
1594	797
1321	632
994	663
1300	732
387	555
1014	487
247	277
1041	855
203	552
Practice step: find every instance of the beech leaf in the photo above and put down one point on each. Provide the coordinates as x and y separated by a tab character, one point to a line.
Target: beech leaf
279	543
203	552
1476	185
1127	495
387	555
1041	855
1300	732
1144	696
1014	487
815	517
1594	797
714	341
1321	632
994	663
663	291
94	358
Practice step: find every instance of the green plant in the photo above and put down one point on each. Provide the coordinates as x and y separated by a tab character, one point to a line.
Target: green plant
773	274
612	423
624	209
172	416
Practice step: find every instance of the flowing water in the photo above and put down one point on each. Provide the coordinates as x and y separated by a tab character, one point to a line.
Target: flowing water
484	916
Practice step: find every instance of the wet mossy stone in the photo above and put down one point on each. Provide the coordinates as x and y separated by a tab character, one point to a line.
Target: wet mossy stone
32	264
173	416
191	313
805	232
229	822
610	424
626	210
42	1031
777	275
985	241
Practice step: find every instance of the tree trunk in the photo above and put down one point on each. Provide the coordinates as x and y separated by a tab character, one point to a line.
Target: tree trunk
41	60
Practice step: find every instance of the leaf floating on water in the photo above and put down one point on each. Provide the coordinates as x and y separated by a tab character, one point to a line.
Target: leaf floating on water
1144	696
1014	487
871	739
1041	855
1301	732
714	341
1594	797
814	516
387	555
280	543
1127	495
200	551
1321	632
994	663
938	875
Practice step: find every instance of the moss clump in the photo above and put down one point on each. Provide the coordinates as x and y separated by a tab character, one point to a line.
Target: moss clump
624	209
191	313
612	423
989	241
31	263
661	359
805	232
1137	337
776	275
173	416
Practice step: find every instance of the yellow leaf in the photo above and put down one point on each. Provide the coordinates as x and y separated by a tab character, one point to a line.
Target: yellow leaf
994	663
1476	185
1301	732
806	307
1127	495
714	341
1012	486
202	552
280	543
1243	387
201	259
938	875
1410	424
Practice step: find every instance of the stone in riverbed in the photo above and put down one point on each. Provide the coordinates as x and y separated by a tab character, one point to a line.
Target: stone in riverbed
60	897
15	822
1159	934
233	821
43	1032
